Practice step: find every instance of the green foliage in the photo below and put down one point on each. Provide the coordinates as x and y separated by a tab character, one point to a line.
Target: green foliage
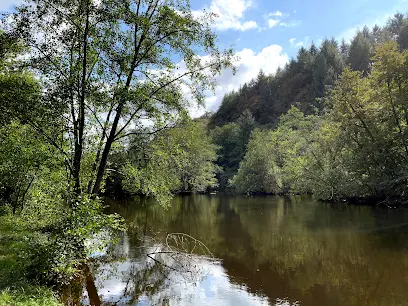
303	80
232	140
231	151
258	172
24	158
357	149
98	79
15	287
29	296
19	94
58	258
93	71
360	53
307	78
180	159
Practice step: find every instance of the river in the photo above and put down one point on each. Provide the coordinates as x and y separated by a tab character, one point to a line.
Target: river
232	250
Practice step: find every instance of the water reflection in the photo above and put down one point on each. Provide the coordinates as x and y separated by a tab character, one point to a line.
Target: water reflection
271	251
150	283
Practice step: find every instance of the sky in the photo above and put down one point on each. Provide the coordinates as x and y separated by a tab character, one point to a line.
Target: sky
265	34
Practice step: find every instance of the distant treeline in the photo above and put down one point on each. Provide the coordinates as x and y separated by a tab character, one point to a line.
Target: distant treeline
332	122
308	77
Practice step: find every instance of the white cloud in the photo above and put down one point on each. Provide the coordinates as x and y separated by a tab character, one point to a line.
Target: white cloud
272	23
304	43
292	40
230	14
277	19
248	67
6	5
290	24
275	14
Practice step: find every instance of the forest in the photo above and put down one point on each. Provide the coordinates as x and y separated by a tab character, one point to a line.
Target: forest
93	105
332	123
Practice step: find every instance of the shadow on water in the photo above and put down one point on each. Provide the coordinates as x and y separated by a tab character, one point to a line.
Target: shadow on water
268	250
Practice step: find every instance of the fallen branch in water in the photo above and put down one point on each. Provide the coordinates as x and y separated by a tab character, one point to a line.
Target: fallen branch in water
181	253
159	262
183	241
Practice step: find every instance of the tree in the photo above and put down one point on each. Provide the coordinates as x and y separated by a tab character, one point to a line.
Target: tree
180	159
258	172
397	30
357	149
344	49
105	65
232	140
22	159
230	152
360	53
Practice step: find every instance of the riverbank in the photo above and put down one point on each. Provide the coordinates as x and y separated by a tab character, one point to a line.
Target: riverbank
16	289
390	202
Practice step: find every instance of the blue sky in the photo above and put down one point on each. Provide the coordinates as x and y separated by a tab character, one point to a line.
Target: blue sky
267	33
278	21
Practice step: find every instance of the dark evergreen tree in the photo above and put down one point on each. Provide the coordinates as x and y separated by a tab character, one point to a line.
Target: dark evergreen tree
360	53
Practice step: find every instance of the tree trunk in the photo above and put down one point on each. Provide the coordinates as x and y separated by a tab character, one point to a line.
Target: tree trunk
112	134
106	150
81	118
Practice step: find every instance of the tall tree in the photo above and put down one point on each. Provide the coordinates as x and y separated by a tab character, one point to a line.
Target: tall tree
360	53
105	65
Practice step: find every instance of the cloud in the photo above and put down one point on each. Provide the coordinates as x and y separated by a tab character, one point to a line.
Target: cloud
272	23
275	14
277	18
248	67
290	24
210	285
292	40
230	14
304	43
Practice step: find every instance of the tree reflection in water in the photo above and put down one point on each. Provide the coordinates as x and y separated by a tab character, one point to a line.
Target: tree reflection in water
177	260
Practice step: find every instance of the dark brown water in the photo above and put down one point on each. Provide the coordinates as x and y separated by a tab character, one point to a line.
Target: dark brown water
267	251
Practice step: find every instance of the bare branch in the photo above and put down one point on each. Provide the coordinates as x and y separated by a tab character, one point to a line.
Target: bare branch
143	133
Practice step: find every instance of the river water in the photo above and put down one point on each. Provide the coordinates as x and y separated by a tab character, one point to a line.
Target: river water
231	250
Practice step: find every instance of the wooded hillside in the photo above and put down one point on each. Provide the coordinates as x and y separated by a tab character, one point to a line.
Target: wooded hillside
308	77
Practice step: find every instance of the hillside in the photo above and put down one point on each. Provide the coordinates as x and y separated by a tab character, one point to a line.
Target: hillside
305	82
307	78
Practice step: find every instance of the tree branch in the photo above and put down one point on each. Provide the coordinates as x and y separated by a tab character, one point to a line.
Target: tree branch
143	133
129	121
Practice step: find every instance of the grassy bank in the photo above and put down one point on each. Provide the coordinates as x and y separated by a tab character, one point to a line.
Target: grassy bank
15	287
